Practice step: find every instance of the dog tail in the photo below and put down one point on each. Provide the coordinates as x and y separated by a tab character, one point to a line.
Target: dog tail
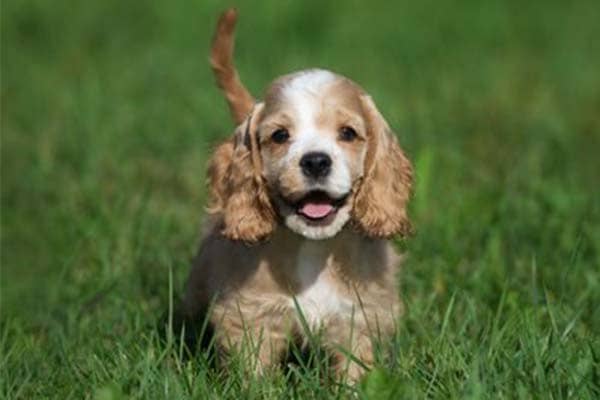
221	59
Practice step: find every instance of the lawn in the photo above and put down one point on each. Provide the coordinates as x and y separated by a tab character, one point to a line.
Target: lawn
109	114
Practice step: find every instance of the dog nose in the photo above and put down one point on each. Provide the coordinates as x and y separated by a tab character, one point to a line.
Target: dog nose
315	164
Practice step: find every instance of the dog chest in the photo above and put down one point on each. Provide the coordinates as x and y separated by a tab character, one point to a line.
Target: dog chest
319	296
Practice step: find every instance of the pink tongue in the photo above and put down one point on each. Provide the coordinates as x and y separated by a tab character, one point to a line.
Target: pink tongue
316	210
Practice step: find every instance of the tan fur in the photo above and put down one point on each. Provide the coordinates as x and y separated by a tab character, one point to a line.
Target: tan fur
238	193
345	284
380	204
218	176
253	287
240	101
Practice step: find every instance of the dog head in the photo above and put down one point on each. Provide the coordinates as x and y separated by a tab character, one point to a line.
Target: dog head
315	155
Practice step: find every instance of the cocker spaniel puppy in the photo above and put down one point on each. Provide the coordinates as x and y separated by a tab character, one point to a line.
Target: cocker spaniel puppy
304	196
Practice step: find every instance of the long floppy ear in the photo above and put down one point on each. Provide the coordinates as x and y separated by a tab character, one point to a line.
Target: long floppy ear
238	190
381	199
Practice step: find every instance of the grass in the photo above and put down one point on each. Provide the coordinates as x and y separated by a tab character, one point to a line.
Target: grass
109	114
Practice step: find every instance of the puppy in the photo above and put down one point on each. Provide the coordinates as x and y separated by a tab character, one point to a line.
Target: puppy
302	199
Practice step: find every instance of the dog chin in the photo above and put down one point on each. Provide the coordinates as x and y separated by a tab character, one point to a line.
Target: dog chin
300	225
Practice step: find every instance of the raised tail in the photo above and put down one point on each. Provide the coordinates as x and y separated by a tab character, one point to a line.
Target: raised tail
221	59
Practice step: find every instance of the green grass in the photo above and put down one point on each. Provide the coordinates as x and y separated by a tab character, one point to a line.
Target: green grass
109	114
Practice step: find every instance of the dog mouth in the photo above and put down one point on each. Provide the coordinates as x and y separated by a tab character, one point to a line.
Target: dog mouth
318	208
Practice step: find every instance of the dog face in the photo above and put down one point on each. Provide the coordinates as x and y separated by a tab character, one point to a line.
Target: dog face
314	155
312	140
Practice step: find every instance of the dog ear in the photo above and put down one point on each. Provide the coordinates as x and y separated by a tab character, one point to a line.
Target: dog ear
382	196
238	189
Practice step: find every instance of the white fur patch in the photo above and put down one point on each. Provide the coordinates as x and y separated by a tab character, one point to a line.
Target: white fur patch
297	224
318	299
311	80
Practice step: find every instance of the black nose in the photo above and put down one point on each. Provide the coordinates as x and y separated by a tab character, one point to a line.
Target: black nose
315	164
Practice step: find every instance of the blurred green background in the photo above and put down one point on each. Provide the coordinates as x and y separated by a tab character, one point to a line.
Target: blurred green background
109	114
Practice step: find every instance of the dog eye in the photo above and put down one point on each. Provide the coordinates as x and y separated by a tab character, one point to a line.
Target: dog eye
280	136
348	134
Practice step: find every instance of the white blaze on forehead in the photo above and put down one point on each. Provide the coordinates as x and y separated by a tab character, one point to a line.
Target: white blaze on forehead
304	93
310	81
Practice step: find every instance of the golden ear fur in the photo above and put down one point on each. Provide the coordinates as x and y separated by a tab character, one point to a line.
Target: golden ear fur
238	190
381	199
